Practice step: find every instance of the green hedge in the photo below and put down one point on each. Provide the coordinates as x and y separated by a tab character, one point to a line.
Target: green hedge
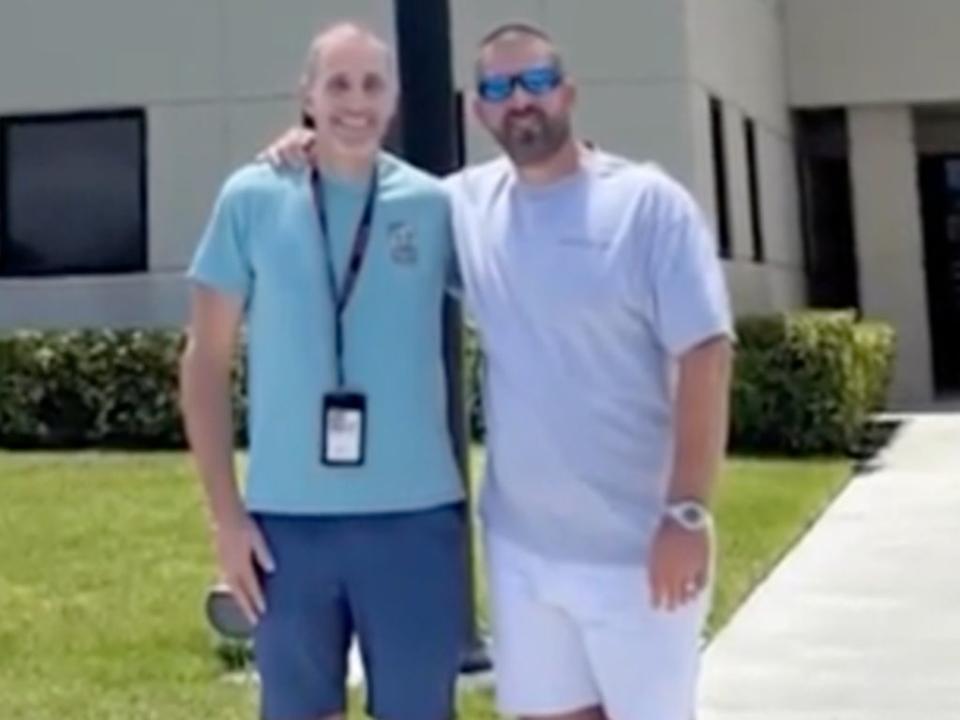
473	361
94	388
803	383
807	383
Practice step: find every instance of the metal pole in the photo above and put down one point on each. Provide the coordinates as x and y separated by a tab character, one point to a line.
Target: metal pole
429	133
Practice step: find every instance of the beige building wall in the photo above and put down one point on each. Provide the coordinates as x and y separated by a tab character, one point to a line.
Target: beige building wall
881	59
217	80
736	51
890	240
851	52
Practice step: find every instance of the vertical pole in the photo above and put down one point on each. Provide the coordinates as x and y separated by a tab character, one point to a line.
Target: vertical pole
429	132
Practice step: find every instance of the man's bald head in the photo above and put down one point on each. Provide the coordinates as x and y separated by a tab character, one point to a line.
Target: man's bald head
511	34
342	33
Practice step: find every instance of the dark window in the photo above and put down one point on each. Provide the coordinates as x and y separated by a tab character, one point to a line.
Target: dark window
940	200
720	177
753	180
73	194
826	198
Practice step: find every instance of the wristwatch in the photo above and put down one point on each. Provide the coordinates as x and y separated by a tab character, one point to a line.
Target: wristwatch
690	515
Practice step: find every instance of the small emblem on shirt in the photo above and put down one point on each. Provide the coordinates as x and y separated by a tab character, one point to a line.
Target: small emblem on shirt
403	245
586	243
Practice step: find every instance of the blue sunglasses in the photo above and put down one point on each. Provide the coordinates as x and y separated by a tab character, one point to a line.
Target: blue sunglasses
536	81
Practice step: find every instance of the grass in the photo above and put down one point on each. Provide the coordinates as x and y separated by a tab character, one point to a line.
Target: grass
104	561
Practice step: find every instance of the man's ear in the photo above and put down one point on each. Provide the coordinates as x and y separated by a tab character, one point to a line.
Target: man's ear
572	95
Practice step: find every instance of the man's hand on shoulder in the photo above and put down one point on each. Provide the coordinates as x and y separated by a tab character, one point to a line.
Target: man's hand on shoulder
291	150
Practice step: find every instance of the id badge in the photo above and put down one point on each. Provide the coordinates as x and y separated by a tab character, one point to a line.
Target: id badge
344	430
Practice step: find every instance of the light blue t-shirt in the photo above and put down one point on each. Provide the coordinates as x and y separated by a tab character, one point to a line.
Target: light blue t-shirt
586	292
263	245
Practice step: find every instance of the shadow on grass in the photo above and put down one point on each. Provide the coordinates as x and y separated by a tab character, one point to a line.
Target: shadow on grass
234	655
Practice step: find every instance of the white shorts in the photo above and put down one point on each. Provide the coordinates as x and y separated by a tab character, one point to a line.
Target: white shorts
569	636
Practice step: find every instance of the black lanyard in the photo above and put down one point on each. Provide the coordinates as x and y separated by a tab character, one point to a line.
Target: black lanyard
340	297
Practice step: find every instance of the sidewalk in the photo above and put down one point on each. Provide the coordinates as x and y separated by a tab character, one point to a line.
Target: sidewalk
862	620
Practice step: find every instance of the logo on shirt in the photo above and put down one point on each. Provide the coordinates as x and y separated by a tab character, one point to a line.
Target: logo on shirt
403	243
587	243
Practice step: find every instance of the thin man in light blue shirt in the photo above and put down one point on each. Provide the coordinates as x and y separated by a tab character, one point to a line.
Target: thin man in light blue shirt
318	553
262	245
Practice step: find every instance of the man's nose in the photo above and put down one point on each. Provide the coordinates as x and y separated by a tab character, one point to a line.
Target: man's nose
520	99
357	99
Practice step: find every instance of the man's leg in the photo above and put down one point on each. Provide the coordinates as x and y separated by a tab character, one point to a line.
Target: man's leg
541	662
583	641
301	642
407	584
645	661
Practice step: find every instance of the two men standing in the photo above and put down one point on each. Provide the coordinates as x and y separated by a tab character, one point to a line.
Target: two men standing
602	311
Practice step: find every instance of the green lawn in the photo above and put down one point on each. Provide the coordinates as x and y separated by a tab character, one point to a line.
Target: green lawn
104	561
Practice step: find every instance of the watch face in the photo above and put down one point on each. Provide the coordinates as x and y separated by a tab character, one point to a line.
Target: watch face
692	515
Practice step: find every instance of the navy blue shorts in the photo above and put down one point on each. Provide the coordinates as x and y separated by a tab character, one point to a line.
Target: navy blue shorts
397	582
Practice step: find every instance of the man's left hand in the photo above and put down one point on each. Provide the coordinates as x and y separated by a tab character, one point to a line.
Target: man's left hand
679	564
291	150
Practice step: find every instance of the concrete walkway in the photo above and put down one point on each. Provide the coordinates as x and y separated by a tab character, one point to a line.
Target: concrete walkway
862	620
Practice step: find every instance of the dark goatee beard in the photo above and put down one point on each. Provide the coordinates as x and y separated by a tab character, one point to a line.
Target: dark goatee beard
535	144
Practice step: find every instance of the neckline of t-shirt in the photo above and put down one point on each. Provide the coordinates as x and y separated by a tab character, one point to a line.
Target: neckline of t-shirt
588	164
342	183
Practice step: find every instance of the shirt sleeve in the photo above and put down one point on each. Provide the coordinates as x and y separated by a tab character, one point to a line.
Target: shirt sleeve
222	259
689	297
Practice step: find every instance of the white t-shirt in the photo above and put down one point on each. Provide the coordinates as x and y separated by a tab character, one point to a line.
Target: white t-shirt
585	293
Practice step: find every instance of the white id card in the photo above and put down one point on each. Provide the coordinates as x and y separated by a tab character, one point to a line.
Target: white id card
344	430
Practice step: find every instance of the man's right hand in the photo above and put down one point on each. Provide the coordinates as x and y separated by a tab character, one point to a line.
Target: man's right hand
240	548
290	150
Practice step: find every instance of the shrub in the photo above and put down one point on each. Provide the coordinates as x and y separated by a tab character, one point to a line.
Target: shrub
94	387
473	362
807	383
